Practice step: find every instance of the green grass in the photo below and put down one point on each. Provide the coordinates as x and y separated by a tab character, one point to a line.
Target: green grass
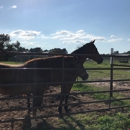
92	64
97	74
101	96
91	88
89	121
105	74
118	122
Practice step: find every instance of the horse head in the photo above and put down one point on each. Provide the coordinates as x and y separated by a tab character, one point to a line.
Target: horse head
94	54
81	71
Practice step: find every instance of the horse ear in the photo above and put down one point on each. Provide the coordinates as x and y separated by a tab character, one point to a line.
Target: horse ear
93	41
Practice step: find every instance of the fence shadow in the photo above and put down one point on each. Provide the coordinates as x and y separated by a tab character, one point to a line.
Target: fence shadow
77	124
71	125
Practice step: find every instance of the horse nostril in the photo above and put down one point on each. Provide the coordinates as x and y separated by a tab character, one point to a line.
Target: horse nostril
85	77
100	61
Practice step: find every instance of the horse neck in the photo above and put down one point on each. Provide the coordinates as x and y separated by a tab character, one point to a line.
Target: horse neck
82	59
82	50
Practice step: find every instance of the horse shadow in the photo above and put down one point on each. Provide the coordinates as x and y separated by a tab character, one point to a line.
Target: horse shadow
71	125
44	125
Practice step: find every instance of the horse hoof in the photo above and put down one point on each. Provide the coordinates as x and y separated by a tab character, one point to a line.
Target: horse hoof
60	116
60	110
67	111
33	123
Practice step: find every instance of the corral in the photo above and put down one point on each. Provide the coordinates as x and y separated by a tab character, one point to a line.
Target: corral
106	91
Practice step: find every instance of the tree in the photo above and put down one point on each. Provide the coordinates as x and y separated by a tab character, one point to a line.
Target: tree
5	46
23	49
37	49
116	52
4	38
46	51
64	50
17	45
128	52
58	50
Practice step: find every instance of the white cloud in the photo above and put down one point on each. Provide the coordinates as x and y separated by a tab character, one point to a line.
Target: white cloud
115	40
65	36
44	37
129	40
14	7
112	36
26	43
72	37
25	35
1	7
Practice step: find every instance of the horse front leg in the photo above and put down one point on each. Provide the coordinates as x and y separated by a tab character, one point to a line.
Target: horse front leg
36	112
60	106
66	90
66	104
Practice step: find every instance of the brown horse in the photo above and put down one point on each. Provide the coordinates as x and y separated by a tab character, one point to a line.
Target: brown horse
41	73
92	53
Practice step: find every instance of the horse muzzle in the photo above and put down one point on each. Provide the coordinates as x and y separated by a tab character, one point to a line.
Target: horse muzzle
100	61
85	77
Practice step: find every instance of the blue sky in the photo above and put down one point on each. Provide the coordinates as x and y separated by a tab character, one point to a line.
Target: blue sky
67	24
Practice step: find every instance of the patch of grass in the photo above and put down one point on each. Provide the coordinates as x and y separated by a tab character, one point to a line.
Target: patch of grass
118	122
100	96
92	64
97	74
84	87
93	121
91	88
106	122
101	74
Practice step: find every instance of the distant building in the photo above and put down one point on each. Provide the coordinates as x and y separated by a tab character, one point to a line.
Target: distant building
122	57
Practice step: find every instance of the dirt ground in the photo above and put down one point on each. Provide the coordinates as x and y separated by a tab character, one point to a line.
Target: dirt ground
22	103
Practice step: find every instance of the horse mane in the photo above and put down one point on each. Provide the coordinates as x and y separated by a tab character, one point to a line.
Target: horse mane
53	62
82	49
79	50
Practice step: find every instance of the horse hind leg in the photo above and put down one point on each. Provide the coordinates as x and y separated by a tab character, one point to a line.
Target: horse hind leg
66	91
28	104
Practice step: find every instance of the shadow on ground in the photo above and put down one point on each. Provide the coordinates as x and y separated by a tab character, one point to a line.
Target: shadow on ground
69	125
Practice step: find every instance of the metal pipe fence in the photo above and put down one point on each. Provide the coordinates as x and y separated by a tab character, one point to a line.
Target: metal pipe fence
107	104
